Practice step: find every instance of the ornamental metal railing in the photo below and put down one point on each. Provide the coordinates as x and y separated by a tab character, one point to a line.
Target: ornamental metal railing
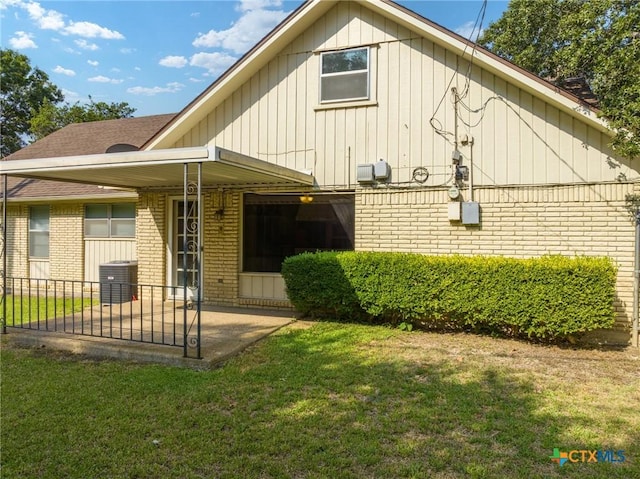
132	312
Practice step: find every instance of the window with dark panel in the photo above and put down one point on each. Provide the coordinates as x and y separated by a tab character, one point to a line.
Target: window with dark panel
278	226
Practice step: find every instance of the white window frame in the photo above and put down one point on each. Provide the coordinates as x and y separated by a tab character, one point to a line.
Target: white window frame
346	73
109	220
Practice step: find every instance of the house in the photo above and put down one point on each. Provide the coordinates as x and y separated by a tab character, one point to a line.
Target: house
46	236
352	125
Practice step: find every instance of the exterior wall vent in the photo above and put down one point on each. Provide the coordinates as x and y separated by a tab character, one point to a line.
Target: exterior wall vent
365	174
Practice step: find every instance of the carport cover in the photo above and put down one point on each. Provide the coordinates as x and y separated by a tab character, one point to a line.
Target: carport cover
158	169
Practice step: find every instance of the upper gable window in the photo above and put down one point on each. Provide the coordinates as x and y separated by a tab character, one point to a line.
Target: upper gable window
344	75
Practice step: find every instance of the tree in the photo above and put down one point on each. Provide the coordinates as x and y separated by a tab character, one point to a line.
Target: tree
29	104
50	117
597	41
23	89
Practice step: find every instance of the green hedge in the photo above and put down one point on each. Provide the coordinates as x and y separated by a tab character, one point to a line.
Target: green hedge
548	297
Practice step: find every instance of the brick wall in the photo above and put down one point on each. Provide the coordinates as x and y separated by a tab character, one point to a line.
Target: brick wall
221	241
151	234
17	244
518	222
66	244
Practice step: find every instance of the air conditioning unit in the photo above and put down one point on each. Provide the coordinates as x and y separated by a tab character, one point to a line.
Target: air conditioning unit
118	282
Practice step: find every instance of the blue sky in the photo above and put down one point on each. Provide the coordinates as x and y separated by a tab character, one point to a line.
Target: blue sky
158	55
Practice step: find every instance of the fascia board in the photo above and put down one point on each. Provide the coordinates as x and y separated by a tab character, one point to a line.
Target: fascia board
103	160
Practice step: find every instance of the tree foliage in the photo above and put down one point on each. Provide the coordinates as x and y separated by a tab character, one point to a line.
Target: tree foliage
23	89
31	105
595	40
50	117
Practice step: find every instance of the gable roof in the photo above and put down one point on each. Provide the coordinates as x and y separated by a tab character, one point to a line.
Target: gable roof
93	137
309	12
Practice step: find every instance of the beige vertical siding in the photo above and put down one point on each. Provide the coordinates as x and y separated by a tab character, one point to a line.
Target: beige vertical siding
518	139
98	251
262	286
39	269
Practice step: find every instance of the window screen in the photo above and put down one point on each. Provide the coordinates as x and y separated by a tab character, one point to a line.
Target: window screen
276	227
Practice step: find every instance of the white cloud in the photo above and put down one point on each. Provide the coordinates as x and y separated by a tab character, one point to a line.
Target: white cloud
4	4
70	96
53	20
215	62
93	63
246	5
104	79
45	19
64	71
243	34
92	30
127	51
466	30
195	80
22	40
173	61
85	45
173	87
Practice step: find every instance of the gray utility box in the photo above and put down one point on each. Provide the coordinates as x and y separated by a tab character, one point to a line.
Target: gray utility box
118	281
470	213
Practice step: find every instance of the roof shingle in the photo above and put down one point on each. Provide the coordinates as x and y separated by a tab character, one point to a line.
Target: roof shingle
93	138
80	139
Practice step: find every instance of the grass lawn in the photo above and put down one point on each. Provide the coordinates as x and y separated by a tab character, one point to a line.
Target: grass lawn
329	401
25	309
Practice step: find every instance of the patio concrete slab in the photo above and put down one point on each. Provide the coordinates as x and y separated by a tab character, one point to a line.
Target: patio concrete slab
225	332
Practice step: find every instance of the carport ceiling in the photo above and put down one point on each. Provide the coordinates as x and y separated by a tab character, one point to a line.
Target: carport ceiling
157	169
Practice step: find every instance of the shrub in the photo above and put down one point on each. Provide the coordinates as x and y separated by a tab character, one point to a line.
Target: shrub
549	297
317	287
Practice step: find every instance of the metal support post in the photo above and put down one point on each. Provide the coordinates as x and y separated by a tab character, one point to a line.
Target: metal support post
4	254
191	248
199	262
185	252
636	283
